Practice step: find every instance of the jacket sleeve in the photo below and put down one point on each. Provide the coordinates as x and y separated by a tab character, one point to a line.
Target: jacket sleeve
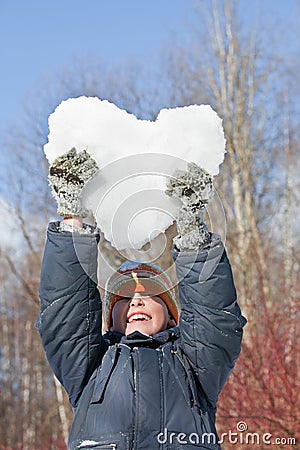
70	309
211	323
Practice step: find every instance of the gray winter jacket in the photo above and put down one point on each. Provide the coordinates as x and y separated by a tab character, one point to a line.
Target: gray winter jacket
138	392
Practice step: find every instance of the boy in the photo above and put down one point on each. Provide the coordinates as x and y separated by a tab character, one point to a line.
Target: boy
147	383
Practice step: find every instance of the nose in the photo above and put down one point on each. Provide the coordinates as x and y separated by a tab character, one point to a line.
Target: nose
137	300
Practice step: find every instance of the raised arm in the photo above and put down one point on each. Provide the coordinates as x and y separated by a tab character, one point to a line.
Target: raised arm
70	310
70	316
211	322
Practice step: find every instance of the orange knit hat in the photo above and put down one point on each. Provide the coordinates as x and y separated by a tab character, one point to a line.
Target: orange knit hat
136	276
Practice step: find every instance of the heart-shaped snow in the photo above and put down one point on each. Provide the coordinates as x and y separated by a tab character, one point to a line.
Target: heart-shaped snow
135	157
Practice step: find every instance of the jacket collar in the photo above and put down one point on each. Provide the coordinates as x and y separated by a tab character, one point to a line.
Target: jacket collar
137	339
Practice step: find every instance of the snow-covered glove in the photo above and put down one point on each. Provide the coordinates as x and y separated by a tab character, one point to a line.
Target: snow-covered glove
194	187
67	175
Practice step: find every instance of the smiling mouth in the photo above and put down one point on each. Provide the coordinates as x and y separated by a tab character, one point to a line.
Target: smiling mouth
139	317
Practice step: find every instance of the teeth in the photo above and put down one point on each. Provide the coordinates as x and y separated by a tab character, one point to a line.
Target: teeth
138	316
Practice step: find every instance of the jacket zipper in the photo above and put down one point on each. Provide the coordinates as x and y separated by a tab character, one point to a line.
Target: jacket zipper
136	393
161	382
191	383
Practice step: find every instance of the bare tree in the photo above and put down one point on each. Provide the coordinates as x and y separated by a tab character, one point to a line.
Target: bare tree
35	409
229	68
237	72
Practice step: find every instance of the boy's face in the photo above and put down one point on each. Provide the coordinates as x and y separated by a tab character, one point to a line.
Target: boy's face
145	313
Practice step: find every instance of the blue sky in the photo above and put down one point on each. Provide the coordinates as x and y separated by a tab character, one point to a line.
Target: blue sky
39	37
